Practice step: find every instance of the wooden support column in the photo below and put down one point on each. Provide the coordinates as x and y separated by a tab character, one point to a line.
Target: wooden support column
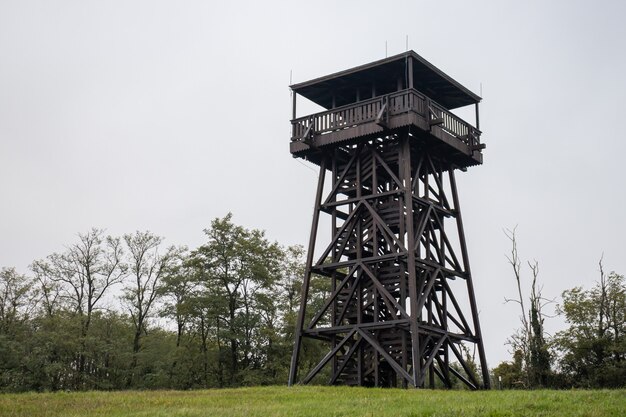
405	163
470	285
333	226
307	274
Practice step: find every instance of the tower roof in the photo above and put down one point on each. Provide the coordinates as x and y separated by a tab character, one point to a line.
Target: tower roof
384	74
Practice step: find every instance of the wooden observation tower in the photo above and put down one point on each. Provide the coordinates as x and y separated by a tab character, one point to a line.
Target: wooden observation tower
401	309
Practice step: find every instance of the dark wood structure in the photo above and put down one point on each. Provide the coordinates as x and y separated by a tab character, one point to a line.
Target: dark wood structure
402	309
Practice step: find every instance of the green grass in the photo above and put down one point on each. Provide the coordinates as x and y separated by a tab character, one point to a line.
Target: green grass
317	401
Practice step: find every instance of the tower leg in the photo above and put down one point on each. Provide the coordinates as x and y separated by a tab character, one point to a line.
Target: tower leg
470	285
293	371
405	160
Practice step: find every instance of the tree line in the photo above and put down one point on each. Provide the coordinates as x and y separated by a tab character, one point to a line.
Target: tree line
130	313
127	312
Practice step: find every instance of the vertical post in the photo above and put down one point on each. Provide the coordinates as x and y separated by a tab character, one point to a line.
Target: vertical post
410	72
427	113
405	158
377	296
335	259
403	283
431	367
477	117
307	275
470	285
409	86
293	113
444	324
359	255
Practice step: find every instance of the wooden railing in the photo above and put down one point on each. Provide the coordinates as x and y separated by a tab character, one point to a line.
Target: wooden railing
455	126
369	110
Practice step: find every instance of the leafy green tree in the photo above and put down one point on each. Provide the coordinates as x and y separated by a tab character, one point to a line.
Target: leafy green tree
593	347
81	276
239	266
16	306
510	375
180	290
146	268
15	299
179	286
109	350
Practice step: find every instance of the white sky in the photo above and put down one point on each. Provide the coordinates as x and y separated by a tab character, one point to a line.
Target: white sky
163	115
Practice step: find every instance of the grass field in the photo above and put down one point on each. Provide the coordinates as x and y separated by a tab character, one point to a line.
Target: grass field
317	401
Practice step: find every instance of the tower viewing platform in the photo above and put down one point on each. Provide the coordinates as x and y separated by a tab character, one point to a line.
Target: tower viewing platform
404	90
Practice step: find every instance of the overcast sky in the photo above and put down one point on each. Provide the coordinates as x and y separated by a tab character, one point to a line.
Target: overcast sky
162	115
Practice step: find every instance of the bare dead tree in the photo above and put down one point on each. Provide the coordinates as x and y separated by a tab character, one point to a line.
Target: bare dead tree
530	338
610	296
516	264
602	309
